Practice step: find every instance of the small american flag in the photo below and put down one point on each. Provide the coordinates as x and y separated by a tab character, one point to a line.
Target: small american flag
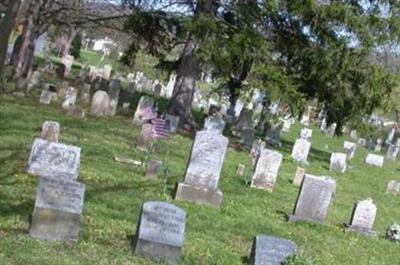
160	128
148	114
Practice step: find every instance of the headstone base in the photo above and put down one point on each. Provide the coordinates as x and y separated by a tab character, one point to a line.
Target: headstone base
51	224
157	251
295	218
265	187
360	230
198	195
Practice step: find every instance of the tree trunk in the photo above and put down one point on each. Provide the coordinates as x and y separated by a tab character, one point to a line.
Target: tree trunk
6	26
182	96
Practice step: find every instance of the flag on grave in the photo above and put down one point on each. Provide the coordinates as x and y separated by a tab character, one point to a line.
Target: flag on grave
160	128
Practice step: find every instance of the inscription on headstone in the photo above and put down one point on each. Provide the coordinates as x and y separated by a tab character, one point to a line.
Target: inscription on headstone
363	217
314	199
161	232
54	160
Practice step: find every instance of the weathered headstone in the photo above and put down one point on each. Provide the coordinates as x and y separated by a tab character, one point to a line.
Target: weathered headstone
46	96
244	121
153	168
70	98
50	131
247	136
338	162
58	209
374	160
173	122
300	150
353	134
363	217
378	146
299	176
392	152
273	135
314	199
107	71
361	142
52	159
330	132
393	187
67	60
114	91
145	102
306	134
202	175
240	170
350	149
214	123
268	250
161	232
267	169
255	151
100	103
146	138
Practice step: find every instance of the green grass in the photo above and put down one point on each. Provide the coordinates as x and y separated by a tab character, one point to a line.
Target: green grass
115	193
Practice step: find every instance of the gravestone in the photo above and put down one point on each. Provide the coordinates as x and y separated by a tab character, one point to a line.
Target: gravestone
255	151
273	135
50	131
314	199
46	96
153	168
247	136
393	187
266	170
70	98
363	217
374	160
107	71
361	142
392	152
146	138
240	170
157	88
350	149
145	102
300	150
52	159
60	71
305	118
286	124
268	250
338	162
330	132
353	134
67	61
378	146
173	122
160	232
244	121
63	89
85	93
58	209
299	176
100	103
214	123
114	91
306	134
204	169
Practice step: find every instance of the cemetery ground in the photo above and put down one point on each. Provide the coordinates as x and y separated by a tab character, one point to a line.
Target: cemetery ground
115	193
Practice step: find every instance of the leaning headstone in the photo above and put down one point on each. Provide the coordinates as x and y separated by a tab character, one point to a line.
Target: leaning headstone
300	150
153	168
314	199
52	159
145	102
146	138
214	123
338	162
173	122
58	209
306	134
70	98
268	250
202	175
350	149
50	131
161	232
374	160
299	176
240	170
100	103
363	217
267	169
393	187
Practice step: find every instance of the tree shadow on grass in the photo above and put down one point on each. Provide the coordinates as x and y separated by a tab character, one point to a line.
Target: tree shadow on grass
24	208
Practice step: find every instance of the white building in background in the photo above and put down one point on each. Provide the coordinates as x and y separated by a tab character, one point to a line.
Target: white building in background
102	44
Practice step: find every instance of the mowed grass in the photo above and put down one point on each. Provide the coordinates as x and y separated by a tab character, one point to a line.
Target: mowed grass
115	193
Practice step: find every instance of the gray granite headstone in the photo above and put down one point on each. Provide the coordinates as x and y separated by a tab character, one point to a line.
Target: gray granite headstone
314	199
214	123
58	209
363	217
273	135
247	136
268	250
161	232
204	169
54	160
145	102
244	121
173	122
300	150
153	168
338	162
50	131
267	169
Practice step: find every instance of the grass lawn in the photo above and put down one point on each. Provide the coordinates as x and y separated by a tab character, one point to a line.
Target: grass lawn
115	193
